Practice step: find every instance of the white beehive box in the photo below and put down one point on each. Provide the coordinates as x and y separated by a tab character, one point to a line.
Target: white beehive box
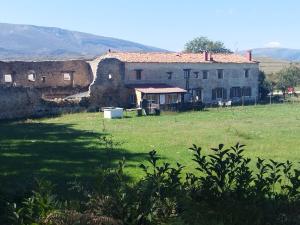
112	112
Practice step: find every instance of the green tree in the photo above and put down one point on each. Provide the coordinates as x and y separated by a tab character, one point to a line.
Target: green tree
265	85
288	77
201	44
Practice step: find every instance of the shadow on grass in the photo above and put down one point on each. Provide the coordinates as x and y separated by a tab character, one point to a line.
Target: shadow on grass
56	152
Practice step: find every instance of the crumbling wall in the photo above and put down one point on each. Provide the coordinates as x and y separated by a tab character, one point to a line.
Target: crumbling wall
18	102
108	88
48	76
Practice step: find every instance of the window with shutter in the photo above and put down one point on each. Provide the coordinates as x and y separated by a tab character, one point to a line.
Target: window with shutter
235	92
219	93
224	93
246	91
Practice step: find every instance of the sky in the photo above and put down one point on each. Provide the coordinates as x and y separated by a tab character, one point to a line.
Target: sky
167	24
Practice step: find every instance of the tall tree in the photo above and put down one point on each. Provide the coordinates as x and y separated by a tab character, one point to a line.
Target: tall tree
201	44
265	85
288	77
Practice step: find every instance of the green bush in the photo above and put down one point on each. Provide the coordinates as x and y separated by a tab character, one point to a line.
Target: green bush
224	190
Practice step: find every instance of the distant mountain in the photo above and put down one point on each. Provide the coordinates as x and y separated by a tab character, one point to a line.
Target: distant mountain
27	42
277	53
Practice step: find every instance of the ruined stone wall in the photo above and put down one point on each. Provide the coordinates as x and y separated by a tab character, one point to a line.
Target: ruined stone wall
108	88
21	102
18	102
48	75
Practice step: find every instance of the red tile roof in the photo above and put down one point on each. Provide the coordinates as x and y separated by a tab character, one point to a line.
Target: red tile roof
159	57
157	88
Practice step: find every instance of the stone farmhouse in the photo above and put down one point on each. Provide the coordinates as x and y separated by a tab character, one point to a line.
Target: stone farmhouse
124	79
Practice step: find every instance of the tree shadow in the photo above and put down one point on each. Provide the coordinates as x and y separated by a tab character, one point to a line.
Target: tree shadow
56	152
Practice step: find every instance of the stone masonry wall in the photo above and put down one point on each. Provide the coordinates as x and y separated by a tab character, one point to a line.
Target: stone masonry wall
21	102
48	75
18	102
108	88
234	76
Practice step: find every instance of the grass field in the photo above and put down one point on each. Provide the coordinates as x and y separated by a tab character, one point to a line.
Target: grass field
66	147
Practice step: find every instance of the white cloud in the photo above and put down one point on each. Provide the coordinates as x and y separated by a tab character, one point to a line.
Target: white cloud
224	12
273	44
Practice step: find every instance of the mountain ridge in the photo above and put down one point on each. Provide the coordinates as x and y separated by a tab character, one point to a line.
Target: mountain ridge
288	54
31	42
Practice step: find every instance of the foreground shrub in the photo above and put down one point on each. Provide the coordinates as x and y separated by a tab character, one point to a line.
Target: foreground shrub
223	190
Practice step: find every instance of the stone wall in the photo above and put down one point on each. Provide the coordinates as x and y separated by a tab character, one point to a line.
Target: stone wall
234	76
108	88
21	102
18	102
112	77
48	76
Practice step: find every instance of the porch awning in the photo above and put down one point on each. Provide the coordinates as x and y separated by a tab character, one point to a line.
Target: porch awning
157	88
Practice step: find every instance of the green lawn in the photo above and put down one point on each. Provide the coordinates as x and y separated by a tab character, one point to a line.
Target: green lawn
67	148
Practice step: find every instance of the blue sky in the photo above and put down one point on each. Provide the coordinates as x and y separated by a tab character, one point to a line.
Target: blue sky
167	24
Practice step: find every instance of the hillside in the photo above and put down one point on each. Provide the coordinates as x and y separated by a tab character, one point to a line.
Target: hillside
27	42
285	54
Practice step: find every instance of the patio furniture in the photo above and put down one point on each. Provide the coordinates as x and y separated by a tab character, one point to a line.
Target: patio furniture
228	103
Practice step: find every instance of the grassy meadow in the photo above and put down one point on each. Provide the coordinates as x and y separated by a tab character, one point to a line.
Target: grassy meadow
70	147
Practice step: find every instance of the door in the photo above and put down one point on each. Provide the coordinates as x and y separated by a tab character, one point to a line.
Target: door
162	99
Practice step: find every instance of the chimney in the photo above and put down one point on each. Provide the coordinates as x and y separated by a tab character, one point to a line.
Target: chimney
249	55
211	57
205	55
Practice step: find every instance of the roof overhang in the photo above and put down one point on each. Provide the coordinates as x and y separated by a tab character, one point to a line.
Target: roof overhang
156	88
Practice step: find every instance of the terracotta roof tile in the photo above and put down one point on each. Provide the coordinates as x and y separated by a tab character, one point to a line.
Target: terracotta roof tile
159	57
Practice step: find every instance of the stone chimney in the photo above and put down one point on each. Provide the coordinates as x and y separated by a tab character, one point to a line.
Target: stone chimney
211	57
205	55
249	55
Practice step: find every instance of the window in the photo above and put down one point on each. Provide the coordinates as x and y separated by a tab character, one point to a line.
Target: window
170	75
246	91
196	74
246	71
154	98
67	76
7	78
109	76
205	74
187	73
235	92
31	77
43	79
219	93
172	98
138	74
220	74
